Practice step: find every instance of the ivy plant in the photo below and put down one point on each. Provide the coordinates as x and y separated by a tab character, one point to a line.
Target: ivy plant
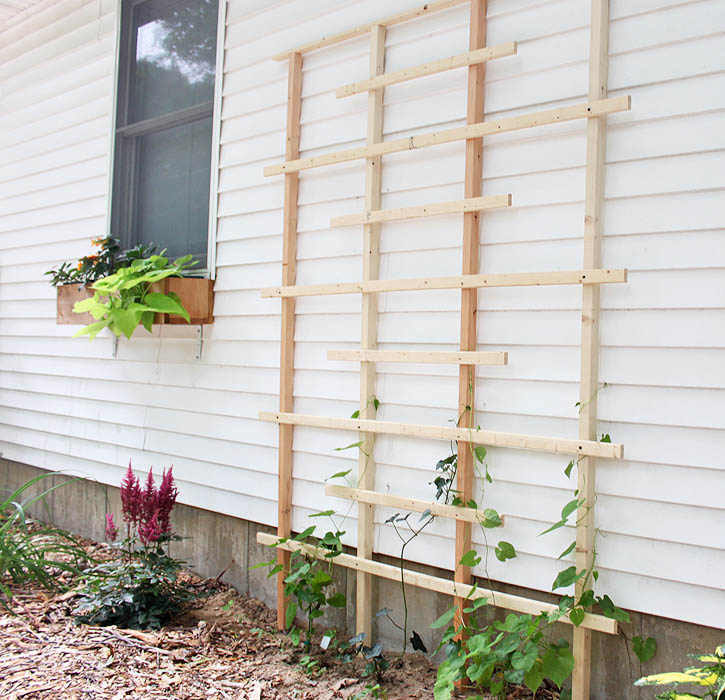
126	299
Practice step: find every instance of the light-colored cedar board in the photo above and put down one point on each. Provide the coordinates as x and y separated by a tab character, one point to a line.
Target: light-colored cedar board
472	185
506	601
66	297
465	59
287	348
436	209
559	115
475	436
589	380
424	357
506	279
197	297
470	515
369	331
361	30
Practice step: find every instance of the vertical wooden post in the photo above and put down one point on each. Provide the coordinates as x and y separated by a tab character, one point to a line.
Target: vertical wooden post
287	352
369	331
469	297
593	206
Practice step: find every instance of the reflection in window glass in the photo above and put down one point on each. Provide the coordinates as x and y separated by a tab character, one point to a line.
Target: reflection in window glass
173	188
175	54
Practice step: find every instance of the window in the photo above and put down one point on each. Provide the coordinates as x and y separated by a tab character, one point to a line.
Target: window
162	164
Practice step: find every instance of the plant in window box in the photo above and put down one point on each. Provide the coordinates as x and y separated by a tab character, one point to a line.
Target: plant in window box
130	296
74	283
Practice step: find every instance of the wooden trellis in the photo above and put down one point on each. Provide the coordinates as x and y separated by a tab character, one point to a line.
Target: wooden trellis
585	447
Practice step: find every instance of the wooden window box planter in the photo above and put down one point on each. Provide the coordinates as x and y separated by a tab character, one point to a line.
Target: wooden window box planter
196	294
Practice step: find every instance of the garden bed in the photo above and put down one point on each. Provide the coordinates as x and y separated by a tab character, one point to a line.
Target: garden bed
223	645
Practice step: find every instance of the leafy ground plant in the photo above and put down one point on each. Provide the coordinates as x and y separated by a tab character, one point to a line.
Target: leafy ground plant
29	550
126	298
308	579
708	677
516	650
138	589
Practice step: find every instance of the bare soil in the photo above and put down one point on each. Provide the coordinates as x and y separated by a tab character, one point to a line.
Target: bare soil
224	645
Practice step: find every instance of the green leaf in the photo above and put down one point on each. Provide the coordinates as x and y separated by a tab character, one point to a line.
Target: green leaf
645	649
504	551
339	475
568	469
567	577
92	330
444	619
470	559
576	615
147	320
524	661
349	447
569	508
337	601
478	603
322	514
568	550
125	320
534	677
491	518
587	599
480	452
304	534
605	438
610	610
355	414
558	664
671	678
294	636
290	613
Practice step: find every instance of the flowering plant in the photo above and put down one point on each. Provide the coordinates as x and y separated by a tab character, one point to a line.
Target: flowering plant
139	589
90	267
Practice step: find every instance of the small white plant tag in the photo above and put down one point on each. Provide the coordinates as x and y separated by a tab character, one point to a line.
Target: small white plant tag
325	642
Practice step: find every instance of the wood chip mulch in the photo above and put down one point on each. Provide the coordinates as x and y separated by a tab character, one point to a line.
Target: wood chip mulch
225	645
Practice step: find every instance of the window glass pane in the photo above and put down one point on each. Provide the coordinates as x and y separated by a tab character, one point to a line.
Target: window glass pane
175	56
172	207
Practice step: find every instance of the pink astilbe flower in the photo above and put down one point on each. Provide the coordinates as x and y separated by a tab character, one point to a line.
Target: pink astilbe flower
131	498
150	531
149	498
111	529
166	498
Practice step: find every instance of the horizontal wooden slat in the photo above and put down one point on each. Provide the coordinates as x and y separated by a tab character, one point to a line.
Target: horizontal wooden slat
469	58
435	209
471	515
522	121
606	450
507	279
441	585
363	29
425	357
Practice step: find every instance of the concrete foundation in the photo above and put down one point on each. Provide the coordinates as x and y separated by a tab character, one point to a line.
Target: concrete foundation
220	545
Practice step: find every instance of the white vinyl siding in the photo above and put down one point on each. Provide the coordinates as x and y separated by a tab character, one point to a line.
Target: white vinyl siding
69	404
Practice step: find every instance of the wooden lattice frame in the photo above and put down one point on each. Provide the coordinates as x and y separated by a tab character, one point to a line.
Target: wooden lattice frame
589	277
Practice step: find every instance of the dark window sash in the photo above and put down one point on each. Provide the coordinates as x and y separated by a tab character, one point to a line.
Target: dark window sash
167	121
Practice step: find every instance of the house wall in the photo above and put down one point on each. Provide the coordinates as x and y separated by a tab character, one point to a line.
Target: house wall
69	404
